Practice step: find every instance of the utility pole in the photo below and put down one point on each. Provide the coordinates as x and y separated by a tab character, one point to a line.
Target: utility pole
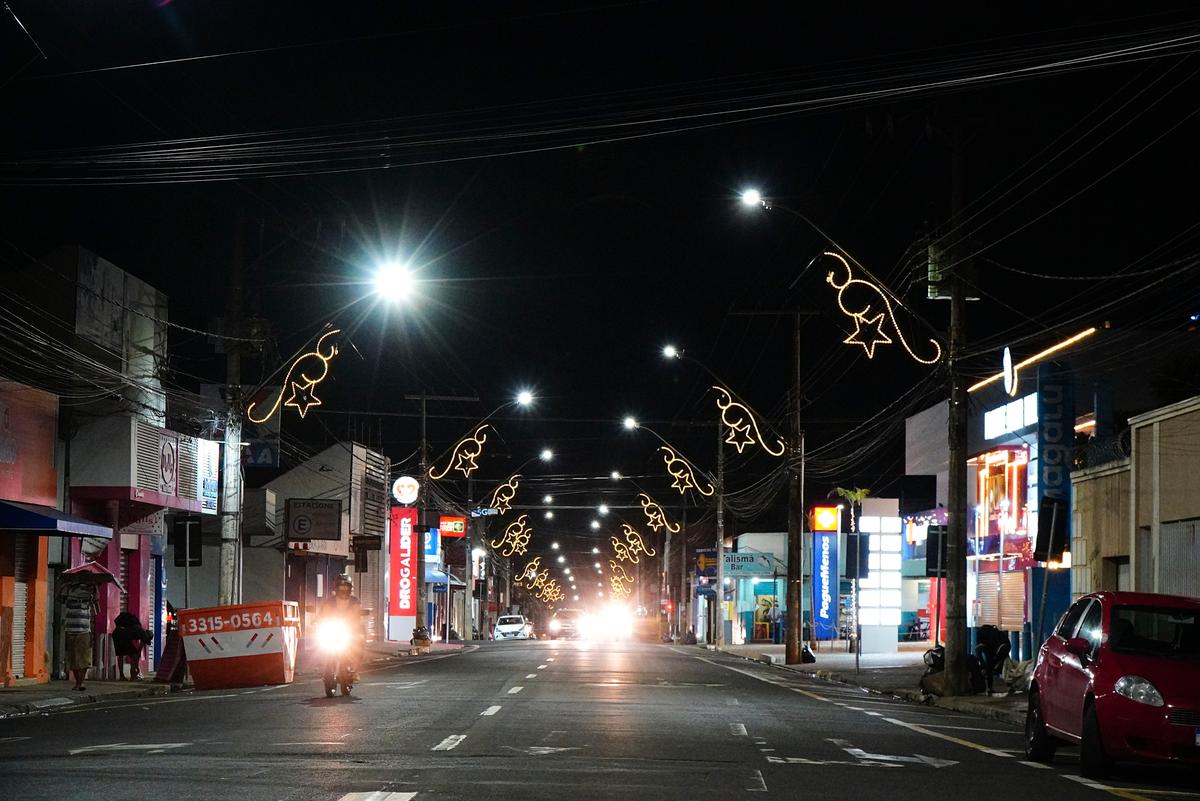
228	586
956	513
664	586
795	546
719	634
684	598
469	568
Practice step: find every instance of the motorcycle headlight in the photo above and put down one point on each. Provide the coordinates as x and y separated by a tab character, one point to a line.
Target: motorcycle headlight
333	635
1135	688
555	625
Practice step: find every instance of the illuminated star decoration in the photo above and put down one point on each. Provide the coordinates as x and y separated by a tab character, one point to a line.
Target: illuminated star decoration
516	538
502	497
636	546
743	428
622	551
681	471
463	456
618	579
654	515
868	323
302	396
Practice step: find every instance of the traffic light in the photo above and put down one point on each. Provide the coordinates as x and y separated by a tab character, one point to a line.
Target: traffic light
825	518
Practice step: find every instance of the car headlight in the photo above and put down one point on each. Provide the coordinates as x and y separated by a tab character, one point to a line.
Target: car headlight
555	625
1135	688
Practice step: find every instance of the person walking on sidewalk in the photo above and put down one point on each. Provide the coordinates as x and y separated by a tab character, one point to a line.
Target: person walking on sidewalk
129	640
79	613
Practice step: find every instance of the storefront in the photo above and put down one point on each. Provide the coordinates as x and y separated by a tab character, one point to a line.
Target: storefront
126	474
29	523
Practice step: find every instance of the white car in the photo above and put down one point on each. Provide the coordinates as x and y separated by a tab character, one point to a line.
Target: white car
512	627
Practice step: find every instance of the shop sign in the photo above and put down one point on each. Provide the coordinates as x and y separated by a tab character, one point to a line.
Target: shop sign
825	585
433	543
402	582
453	526
313	518
208	473
745	565
405	490
1056	433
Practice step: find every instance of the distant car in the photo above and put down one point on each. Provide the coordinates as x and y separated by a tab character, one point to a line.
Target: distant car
566	623
1119	677
512	627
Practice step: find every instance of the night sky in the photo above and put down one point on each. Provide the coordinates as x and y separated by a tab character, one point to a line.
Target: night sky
478	144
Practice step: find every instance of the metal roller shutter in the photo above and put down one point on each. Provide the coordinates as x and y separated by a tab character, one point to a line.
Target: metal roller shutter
123	577
21	570
1179	548
1001	600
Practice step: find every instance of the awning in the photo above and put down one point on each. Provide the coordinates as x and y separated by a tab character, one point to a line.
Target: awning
435	576
47	520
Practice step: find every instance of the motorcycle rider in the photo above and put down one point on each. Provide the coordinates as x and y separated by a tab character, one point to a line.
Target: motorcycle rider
344	605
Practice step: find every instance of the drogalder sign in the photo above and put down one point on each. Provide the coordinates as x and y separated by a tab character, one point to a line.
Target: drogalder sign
402	578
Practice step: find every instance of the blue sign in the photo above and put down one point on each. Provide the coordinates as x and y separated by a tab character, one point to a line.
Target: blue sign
1056	432
825	585
433	542
706	562
439	588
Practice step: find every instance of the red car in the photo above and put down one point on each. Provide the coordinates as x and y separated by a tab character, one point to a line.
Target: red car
1120	675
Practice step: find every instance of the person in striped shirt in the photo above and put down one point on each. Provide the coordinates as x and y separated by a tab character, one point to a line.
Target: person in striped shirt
79	610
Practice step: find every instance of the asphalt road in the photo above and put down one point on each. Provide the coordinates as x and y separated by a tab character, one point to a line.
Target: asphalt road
541	720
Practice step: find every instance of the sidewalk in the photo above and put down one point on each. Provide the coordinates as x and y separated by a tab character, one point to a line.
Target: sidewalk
897	674
38	698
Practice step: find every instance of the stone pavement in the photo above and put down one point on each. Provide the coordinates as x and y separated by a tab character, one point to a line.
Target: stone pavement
897	674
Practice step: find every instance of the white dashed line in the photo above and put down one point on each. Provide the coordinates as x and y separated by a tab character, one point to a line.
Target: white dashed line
1035	765
737	729
491	710
378	795
449	743
515	690
531	675
549	659
541	667
948	738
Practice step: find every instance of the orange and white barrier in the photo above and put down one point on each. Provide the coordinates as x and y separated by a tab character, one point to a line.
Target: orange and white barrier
242	645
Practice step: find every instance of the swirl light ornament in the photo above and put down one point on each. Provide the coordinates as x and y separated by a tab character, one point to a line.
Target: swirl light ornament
869	320
655	518
743	428
463	455
636	545
622	551
503	495
300	393
681	470
540	580
619	580
530	570
515	540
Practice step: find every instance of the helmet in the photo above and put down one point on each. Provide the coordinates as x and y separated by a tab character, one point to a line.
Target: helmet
342	580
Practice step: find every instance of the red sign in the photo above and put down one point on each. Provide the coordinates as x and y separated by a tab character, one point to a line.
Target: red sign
453	526
402	589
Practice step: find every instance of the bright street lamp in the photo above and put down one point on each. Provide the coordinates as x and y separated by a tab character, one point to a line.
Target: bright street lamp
596	550
524	397
394	281
602	508
546	454
597	565
670	352
547	499
752	197
595	524
630	423
616	475
549	515
554	545
561	559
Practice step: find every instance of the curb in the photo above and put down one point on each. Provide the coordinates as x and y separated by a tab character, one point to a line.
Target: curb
47	705
963	705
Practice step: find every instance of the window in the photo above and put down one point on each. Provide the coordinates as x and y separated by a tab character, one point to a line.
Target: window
1066	626
1090	628
1156	630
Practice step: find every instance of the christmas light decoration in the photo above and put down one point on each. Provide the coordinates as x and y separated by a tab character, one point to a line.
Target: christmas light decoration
868	321
530	570
682	472
516	538
503	495
655	517
743	428
463	456
636	545
300	394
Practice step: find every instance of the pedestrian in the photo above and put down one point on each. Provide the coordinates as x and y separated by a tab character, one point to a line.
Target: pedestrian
775	615
79	613
129	640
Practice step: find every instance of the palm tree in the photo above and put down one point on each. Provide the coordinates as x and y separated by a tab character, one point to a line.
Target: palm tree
855	498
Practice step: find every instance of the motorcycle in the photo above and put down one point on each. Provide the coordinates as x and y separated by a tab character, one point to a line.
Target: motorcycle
335	639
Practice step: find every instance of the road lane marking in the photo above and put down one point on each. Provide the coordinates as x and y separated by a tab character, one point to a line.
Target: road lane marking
159	747
450	743
549	659
542	750
1120	792
531	675
313	742
1035	765
12	739
378	795
968	728
491	710
541	667
737	729
732	702
757	783
949	738
515	690
861	763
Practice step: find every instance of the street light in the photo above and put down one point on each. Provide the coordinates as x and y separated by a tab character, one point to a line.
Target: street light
394	281
597	565
596	550
752	197
554	545
602	509
524	397
595	524
670	352
616	475
547	454
547	499
561	559
630	423
549	515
